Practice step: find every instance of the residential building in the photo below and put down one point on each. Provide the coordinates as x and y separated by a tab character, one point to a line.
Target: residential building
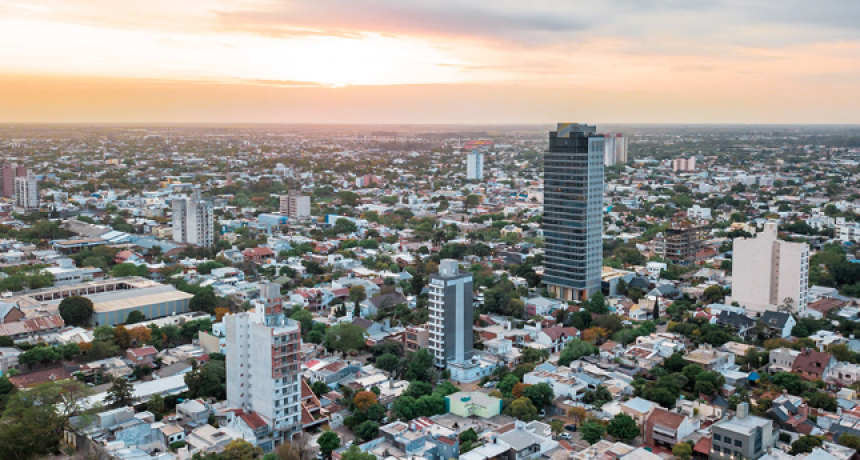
296	205
193	221
615	149
573	211
10	172
556	337
416	338
475	403
638	409
768	274
812	365
744	436
782	359
710	358
263	367
790	413
450	314
666	428
26	192
844	374
684	164
475	166
778	323
680	242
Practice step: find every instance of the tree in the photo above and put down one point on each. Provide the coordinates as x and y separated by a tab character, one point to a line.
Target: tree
155	404
472	201
418	389
320	388
713	294
239	449
820	400
596	335
421	366
367	430
575	349
541	394
849	440
805	444
534	355
76	310
208	380
204	300
345	337
328	442
623	427
597	304
305	317
120	393
363	400
354	453
390	363
635	294
788	381
298	449
523	409
135	317
592	431
345	226
357	294
682	450
506	385
34	421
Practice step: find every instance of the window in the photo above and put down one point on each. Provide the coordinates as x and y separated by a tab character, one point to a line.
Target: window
717	437
738	442
717	449
728	440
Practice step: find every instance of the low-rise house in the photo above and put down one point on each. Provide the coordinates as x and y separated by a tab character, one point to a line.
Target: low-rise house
142	356
194	410
812	365
743	436
778	323
542	306
385	303
710	358
416	338
611	350
504	350
789	413
638	409
844	374
556	337
528	440
207	439
741	324
782	359
666	428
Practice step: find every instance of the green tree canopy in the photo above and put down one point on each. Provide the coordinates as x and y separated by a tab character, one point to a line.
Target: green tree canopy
623	427
76	310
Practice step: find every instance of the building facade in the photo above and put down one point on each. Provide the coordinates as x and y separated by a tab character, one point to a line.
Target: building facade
295	205
684	164
450	314
26	192
744	436
615	149
573	211
263	366
193	221
7	178
475	166
768	274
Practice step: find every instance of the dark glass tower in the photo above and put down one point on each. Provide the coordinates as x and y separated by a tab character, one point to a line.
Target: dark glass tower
573	211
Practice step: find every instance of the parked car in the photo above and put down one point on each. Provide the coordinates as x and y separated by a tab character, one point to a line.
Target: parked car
570	427
567	436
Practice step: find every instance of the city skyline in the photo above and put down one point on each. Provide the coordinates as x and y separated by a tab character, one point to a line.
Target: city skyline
428	62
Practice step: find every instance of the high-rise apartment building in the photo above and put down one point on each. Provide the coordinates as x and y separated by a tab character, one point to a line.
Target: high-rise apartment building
295	205
573	211
615	149
450	314
475	166
7	178
768	274
193	221
684	164
263	364
26	192
681	241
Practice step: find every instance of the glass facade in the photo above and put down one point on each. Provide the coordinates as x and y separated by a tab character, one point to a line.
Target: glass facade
573	211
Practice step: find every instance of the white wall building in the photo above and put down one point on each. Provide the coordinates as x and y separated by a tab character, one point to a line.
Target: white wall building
615	149
768	273
450	314
475	166
263	366
295	205
193	221
684	164
26	192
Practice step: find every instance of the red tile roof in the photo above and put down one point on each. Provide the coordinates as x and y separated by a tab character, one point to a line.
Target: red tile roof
665	418
557	332
703	446
253	420
143	351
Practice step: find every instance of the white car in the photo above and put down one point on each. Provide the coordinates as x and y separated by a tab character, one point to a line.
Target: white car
565	436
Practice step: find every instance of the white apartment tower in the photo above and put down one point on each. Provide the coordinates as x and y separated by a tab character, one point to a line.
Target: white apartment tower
614	149
27	192
263	365
450	314
768	274
193	221
475	166
295	205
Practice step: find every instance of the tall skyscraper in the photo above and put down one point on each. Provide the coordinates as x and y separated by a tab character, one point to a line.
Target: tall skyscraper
475	166
27	192
296	205
263	365
573	211
615	149
193	221
768	274
450	314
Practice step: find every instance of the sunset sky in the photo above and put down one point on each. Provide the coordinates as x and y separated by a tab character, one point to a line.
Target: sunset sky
430	61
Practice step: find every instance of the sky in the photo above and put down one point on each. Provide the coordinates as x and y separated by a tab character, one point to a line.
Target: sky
430	61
